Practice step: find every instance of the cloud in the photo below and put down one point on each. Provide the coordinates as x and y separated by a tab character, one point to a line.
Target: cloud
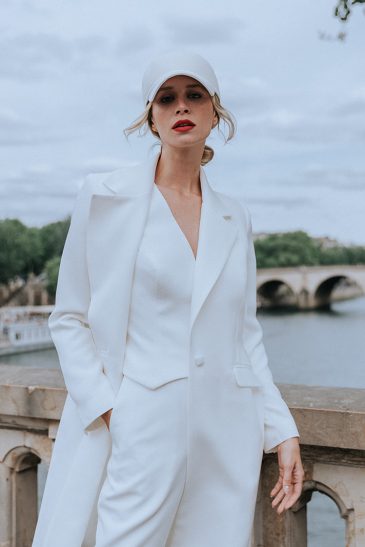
354	107
32	57
17	130
246	96
203	31
296	127
342	179
52	181
134	41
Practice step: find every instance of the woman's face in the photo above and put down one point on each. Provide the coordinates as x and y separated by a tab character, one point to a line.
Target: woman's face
183	98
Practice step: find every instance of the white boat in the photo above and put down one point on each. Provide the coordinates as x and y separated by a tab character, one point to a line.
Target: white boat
24	328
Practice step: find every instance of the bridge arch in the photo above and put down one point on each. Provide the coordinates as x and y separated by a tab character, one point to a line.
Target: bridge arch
324	290
276	292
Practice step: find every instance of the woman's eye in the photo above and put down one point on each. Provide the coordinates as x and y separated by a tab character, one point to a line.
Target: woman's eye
165	99
168	98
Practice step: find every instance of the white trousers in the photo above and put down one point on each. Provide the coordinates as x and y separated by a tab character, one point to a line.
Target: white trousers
158	491
146	470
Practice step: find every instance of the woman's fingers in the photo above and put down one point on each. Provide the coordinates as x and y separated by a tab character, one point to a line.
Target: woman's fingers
291	475
288	487
295	493
278	484
285	491
276	488
278	498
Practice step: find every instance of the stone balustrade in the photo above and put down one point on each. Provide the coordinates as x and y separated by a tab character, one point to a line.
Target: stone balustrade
331	422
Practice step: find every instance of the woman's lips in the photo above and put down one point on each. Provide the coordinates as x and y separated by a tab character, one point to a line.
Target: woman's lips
183	128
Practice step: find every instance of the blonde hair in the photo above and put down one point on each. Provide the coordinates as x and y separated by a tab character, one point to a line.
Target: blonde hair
222	113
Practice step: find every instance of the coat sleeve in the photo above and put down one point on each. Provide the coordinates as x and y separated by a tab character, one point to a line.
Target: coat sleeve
80	363
279	423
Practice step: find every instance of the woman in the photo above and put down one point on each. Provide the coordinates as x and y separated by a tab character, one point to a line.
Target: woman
170	399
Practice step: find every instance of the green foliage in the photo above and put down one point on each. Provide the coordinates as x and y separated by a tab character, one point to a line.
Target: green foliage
288	249
27	249
299	249
53	238
19	249
343	255
51	269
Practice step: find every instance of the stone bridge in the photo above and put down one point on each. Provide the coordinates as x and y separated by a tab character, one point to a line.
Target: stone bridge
309	287
331	423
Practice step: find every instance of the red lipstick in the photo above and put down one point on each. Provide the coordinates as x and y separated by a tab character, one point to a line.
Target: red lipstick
183	125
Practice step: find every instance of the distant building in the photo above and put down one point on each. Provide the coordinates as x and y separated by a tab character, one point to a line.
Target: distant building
324	241
327	242
262	235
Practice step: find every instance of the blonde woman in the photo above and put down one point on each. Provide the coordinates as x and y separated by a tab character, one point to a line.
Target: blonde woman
170	401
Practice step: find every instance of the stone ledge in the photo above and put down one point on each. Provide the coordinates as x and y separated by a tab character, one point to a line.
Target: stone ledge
325	416
31	392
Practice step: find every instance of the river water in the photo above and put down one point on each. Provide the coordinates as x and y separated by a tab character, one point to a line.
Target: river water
324	348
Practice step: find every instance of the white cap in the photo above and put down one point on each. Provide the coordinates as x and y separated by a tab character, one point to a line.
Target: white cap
177	62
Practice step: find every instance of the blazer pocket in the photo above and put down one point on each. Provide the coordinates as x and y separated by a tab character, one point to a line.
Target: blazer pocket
245	377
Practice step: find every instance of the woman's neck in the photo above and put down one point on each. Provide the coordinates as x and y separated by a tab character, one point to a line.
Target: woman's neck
179	170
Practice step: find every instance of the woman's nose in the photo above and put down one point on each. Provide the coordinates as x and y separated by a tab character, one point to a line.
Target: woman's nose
181	105
182	108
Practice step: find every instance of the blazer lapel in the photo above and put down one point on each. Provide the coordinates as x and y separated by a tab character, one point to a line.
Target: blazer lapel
136	180
116	226
217	233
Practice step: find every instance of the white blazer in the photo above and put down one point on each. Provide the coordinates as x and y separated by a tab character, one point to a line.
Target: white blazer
89	325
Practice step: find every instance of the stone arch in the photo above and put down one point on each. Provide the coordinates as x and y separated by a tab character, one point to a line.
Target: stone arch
323	292
276	293
346	512
19	480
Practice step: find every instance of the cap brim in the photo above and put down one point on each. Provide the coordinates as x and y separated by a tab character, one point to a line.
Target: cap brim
154	90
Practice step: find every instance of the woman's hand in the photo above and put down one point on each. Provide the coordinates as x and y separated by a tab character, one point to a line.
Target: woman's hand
106	416
291	474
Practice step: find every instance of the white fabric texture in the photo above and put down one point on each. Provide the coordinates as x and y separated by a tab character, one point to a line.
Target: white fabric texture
146	473
175	62
158	324
147	469
234	411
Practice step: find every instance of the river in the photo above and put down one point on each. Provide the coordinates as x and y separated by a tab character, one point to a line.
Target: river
324	348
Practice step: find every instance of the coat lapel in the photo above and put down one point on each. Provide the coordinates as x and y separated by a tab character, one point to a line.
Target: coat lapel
217	233
116	225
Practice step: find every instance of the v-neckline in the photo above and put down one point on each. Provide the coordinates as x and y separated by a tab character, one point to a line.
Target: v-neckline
178	225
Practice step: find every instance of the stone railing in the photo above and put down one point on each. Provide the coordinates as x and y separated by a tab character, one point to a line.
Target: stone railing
31	402
331	422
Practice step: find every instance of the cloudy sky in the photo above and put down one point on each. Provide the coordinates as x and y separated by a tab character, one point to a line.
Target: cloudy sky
70	77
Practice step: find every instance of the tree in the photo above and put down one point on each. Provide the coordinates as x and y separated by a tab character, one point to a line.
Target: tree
344	7
53	237
51	269
25	250
14	244
299	249
288	249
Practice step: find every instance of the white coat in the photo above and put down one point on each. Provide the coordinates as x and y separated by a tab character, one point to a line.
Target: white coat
89	325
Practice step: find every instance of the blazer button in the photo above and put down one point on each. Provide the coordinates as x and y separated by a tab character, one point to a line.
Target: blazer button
199	360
